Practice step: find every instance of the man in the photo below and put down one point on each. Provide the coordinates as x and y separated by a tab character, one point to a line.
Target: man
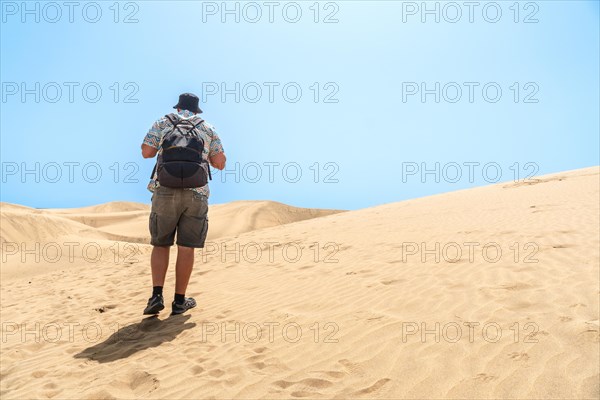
177	206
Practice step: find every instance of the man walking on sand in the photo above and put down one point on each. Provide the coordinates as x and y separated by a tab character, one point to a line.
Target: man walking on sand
185	144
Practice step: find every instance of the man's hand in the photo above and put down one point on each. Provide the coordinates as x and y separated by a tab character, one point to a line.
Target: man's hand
218	161
148	151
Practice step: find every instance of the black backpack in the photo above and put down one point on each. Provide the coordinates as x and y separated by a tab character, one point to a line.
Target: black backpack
180	164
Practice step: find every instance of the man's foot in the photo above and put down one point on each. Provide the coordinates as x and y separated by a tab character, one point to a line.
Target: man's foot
155	304
181	308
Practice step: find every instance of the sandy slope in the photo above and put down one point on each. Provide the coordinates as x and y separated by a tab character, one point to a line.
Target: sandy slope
364	296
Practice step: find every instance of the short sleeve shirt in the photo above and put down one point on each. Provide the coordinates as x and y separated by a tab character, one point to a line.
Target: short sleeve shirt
212	143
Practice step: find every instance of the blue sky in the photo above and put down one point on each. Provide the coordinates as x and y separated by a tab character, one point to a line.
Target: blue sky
359	133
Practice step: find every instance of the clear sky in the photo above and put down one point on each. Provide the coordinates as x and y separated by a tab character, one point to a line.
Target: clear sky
332	104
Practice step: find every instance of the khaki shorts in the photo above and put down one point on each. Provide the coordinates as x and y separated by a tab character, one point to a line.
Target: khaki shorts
178	210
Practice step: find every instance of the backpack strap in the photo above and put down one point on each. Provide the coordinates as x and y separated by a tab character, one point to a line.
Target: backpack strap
153	170
203	161
194	127
174	121
170	118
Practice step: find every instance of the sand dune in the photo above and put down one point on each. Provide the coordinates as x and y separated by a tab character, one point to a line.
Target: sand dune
106	228
124	218
483	293
238	217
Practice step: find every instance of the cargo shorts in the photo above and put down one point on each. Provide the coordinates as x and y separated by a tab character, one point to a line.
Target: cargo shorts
178	210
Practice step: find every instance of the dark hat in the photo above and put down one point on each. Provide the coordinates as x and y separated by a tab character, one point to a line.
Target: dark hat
188	101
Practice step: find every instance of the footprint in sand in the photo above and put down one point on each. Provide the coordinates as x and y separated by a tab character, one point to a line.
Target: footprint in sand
256	357
484	378
315	383
142	382
515	286
303	394
259	365
578	305
374	387
283	384
223	314
217	373
516	356
334	374
104	309
259	350
197	370
350	366
312	384
592	332
534	181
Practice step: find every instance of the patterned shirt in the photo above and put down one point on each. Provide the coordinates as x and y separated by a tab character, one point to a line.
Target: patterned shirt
212	143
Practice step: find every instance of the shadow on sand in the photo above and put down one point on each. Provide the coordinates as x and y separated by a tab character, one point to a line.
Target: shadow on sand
129	339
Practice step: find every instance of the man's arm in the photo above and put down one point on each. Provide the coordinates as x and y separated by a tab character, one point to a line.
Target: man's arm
148	151
151	141
216	154
218	160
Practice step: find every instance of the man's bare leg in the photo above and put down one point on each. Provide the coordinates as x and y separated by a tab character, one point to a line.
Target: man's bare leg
183	268
159	262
